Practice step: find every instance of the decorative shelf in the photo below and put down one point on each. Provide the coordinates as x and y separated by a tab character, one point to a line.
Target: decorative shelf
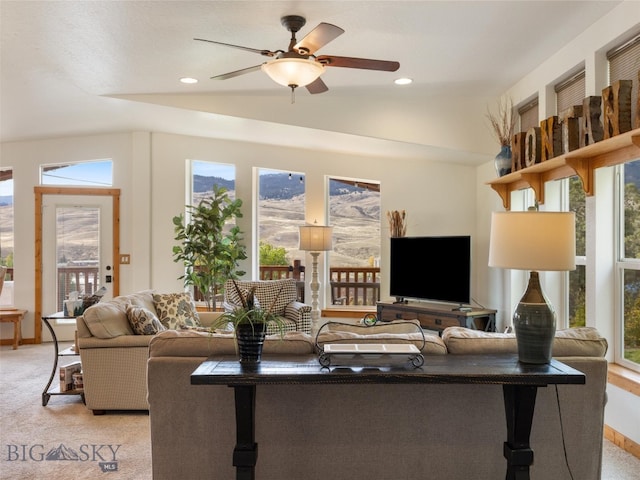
582	162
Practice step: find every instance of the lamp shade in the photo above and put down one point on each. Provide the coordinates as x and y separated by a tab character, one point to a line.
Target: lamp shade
315	238
532	240
296	72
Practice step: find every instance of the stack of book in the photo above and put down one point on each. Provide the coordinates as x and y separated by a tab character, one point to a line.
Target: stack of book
66	375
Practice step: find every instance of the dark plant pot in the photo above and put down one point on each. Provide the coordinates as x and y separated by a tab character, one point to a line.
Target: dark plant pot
503	161
250	340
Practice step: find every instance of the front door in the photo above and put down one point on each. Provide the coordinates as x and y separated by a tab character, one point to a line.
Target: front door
77	251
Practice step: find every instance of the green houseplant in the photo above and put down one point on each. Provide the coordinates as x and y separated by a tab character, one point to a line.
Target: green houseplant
250	322
209	248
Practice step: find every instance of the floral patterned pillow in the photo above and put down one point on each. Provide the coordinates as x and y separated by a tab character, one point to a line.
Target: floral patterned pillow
143	321
176	310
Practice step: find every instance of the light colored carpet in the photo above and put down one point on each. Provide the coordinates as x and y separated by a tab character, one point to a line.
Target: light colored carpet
29	431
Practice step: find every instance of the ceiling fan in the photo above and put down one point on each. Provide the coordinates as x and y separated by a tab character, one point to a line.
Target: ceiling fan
299	66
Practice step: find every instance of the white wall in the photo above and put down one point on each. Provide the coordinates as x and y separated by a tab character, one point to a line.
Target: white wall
150	170
439	198
25	158
588	50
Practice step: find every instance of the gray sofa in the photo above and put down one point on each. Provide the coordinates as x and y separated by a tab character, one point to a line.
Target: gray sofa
114	336
376	432
114	357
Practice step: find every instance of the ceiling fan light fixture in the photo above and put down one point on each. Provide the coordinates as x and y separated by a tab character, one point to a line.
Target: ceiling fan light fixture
297	72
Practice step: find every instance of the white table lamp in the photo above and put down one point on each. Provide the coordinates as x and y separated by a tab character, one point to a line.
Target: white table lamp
315	239
533	241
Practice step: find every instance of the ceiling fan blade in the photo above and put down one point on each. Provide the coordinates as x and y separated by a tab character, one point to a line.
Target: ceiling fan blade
267	53
317	86
365	63
317	38
226	76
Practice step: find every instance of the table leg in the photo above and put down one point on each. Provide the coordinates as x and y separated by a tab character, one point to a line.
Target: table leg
245	454
16	333
519	404
45	393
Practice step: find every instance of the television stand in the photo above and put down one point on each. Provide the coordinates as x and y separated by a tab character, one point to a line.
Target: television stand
438	317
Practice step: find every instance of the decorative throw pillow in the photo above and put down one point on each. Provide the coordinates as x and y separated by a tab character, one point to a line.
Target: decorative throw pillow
107	320
176	309
143	321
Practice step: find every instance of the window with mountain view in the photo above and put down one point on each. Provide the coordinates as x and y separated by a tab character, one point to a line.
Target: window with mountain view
204	175
629	264
354	213
281	211
6	234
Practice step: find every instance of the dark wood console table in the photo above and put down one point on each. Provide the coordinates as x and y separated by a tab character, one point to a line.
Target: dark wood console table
437	317
519	381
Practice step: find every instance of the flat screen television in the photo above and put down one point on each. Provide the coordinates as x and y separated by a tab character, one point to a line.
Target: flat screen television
431	268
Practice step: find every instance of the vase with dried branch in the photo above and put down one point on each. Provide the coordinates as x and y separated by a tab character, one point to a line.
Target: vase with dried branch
397	223
503	127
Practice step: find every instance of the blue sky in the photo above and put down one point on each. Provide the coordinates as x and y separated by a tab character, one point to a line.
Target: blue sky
208	169
6	188
98	173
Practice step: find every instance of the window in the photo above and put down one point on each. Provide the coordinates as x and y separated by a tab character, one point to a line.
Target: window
628	265
281	210
577	277
354	213
77	253
6	234
569	93
204	175
624	63
96	173
528	114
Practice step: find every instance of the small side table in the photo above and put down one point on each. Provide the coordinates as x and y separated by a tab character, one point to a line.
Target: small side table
67	352
14	315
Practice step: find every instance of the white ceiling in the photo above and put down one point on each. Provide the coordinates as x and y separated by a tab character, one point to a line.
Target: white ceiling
82	67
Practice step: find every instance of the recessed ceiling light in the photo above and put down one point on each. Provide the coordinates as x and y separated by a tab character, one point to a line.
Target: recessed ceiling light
402	81
188	80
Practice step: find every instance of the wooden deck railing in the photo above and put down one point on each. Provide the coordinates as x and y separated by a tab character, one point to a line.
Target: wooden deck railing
355	285
276	272
349	285
82	279
9	275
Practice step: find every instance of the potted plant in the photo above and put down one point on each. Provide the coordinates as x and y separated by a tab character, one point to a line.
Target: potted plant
209	248
250	322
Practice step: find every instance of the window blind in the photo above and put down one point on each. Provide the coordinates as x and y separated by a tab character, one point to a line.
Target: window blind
529	115
624	63
570	92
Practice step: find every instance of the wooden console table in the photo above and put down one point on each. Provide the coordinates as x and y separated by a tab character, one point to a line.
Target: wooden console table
519	381
438	317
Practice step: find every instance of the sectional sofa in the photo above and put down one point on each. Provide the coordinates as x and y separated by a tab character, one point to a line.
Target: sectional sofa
114	336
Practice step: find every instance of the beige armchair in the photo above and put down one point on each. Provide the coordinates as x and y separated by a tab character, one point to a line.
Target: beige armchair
281	295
